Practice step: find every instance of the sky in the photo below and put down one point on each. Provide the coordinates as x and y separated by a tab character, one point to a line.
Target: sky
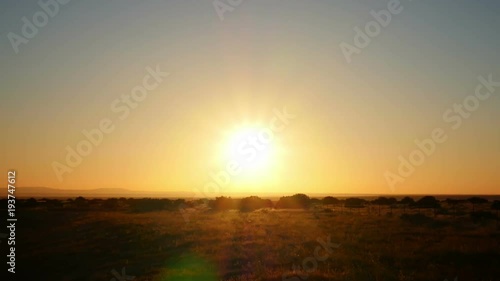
215	75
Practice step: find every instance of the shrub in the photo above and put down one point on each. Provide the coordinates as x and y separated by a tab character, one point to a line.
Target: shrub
252	203
355	203
329	200
297	201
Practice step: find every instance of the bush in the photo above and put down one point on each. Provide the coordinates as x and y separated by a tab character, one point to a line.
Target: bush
355	203
147	204
223	203
329	200
54	204
110	204
30	203
252	203
428	202
297	201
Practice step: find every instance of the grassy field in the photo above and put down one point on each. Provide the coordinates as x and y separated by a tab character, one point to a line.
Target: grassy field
320	243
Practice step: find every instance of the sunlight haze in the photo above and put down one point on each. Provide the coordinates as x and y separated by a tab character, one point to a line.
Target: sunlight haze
226	81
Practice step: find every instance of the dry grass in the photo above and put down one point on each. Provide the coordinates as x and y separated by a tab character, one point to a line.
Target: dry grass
260	245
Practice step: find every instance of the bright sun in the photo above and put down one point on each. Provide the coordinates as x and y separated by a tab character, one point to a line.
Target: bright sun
252	149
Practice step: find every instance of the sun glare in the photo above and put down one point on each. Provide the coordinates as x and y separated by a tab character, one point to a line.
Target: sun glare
251	149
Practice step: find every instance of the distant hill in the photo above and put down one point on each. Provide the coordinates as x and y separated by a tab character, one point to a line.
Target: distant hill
48	192
39	192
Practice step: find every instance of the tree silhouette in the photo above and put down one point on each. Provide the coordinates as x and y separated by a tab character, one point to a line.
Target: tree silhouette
383	201
297	201
252	203
223	203
391	202
453	203
329	200
428	202
496	206
54	204
476	201
355	203
30	202
81	202
380	202
407	201
110	204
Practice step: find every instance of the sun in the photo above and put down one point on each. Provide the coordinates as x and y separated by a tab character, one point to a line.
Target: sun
251	149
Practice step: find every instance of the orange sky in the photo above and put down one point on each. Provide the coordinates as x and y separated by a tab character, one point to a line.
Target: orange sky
103	69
